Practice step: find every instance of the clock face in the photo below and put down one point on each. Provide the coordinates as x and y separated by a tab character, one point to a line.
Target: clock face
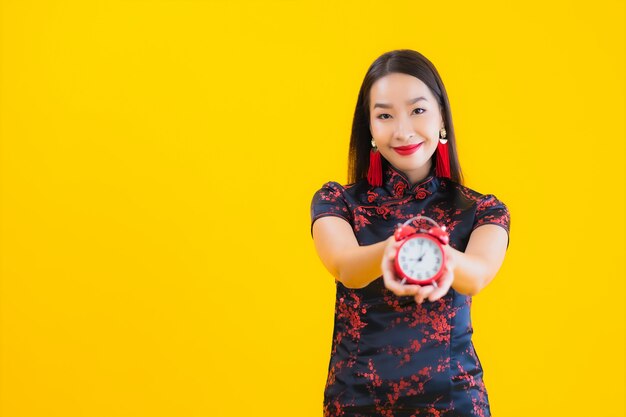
420	258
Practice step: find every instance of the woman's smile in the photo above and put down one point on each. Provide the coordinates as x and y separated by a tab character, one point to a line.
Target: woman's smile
407	150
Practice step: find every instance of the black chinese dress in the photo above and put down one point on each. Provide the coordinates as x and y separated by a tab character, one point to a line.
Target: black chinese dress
391	356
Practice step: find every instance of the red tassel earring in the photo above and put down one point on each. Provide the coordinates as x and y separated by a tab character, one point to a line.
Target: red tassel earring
375	170
443	159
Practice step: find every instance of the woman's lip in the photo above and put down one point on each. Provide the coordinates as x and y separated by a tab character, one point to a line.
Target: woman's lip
406	150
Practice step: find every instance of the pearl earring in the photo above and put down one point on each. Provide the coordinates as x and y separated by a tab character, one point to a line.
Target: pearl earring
442	139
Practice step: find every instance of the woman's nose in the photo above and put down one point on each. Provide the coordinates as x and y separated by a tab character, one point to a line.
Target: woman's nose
404	129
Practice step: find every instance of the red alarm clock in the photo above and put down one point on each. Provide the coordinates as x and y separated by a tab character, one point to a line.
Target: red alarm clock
420	259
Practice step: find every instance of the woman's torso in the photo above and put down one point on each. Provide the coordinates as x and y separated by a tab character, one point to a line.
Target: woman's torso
391	356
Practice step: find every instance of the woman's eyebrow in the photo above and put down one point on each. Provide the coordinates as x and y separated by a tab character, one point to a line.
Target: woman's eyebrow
388	106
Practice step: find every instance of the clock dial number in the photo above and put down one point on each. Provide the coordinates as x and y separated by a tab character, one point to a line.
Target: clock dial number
420	258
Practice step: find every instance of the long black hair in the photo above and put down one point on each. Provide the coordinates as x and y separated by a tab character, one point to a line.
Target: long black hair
408	62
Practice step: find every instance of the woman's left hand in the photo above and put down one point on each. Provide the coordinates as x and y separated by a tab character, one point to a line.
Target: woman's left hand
443	283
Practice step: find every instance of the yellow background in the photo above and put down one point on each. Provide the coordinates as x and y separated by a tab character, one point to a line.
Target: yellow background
158	163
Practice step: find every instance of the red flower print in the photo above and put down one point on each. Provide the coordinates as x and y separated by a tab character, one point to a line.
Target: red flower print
422	193
398	188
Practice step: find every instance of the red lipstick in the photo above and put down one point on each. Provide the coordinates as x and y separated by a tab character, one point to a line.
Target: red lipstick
407	150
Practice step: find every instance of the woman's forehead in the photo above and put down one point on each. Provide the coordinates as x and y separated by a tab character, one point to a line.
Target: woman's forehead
399	89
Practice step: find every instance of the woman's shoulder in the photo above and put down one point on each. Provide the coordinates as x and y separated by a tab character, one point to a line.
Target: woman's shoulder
486	207
463	193
347	191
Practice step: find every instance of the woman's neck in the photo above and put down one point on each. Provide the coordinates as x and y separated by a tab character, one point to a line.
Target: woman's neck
418	175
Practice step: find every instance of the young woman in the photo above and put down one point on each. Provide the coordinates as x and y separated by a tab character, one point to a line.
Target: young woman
400	349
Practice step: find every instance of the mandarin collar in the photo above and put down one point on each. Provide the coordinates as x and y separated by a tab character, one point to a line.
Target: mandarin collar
398	185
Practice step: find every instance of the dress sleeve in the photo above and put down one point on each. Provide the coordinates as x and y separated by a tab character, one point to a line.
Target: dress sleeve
490	210
330	201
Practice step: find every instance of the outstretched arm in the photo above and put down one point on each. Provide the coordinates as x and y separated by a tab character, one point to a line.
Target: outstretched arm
478	265
353	265
472	270
356	266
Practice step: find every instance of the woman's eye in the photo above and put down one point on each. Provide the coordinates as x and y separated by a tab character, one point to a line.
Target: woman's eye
383	115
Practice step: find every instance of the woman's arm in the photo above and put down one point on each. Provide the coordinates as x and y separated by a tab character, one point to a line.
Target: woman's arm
356	266
483	256
353	265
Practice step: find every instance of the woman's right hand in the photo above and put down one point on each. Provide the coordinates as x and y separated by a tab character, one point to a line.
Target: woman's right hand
390	278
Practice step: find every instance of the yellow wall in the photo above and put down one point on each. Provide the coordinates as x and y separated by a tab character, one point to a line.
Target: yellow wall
159	157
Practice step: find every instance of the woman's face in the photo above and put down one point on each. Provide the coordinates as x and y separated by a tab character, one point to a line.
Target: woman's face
404	112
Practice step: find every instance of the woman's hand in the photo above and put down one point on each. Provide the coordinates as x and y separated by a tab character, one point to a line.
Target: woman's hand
433	292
